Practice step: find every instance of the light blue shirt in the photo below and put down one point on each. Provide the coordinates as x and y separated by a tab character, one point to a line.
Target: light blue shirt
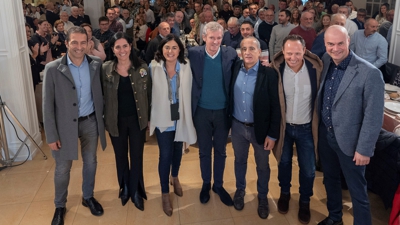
83	87
172	81
373	48
243	94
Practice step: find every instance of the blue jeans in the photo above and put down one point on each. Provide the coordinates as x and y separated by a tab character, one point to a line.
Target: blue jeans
333	160
170	157
242	136
212	131
302	136
88	136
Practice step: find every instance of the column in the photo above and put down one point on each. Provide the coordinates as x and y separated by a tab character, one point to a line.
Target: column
94	9
394	51
16	87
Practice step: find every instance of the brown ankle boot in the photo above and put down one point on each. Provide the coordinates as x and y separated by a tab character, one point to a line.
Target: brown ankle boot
177	186
166	204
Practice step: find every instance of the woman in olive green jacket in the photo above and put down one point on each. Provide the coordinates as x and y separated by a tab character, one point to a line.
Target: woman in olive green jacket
127	95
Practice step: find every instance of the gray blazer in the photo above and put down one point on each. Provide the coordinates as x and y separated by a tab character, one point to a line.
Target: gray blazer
60	110
357	111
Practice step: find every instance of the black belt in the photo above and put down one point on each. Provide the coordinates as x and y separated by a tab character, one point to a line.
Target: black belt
246	124
83	118
295	125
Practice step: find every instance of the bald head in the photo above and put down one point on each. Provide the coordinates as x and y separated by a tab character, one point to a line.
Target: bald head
208	16
337	42
370	27
164	29
338	19
307	19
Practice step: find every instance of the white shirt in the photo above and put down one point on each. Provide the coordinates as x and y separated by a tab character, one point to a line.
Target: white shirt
149	16
351	27
123	24
297	88
353	15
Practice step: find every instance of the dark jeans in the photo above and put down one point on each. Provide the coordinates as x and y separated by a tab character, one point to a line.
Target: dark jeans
170	157
302	136
242	136
333	160
88	136
212	131
129	169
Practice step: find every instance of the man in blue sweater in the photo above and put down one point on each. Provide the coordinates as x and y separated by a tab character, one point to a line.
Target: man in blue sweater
211	68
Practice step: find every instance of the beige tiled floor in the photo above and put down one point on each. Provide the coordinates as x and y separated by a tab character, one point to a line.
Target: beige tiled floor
26	195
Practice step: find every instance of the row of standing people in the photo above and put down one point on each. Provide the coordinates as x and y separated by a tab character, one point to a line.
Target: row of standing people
299	99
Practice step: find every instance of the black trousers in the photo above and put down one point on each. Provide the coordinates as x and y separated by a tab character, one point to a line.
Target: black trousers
130	169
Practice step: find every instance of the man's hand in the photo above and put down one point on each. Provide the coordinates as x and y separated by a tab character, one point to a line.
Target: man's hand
44	48
55	146
269	144
360	159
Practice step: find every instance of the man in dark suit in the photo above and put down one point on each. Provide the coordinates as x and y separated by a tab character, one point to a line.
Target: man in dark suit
51	16
350	103
211	68
163	29
255	116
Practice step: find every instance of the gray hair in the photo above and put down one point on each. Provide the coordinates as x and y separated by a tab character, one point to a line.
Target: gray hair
233	20
346	7
212	26
62	12
255	40
333	17
261	10
74	7
361	10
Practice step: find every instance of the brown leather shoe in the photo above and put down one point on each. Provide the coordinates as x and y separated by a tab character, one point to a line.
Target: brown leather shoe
177	186
304	214
283	203
166	204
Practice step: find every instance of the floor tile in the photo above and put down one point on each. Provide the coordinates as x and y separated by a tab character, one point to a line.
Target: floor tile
12	214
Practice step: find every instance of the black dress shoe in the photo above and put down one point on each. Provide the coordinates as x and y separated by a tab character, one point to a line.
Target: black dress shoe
283	203
138	201
328	221
124	195
205	193
59	215
95	208
238	199
304	214
223	195
263	208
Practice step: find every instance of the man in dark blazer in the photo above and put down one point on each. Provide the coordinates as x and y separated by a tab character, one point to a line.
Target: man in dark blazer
164	29
211	68
51	16
72	110
350	103
255	116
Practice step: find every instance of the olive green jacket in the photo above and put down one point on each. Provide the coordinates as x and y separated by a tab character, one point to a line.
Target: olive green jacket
141	85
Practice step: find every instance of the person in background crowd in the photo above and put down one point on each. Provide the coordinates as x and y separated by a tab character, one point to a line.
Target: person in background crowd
348	128
171	113
119	19
86	18
381	17
384	28
247	30
140	34
282	5
72	111
232	37
320	10
280	32
94	46
237	12
60	47
252	14
192	33
127	99
210	89
245	15
33	54
128	21
222	22
295	18
74	17
265	28
64	18
299	75
305	29
163	29
51	15
324	23
103	34
225	13
360	19
260	19
114	25
353	13
369	44
150	19
335	8
253	87
350	25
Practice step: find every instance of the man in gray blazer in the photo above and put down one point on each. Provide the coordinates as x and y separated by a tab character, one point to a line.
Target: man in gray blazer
350	103
72	109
